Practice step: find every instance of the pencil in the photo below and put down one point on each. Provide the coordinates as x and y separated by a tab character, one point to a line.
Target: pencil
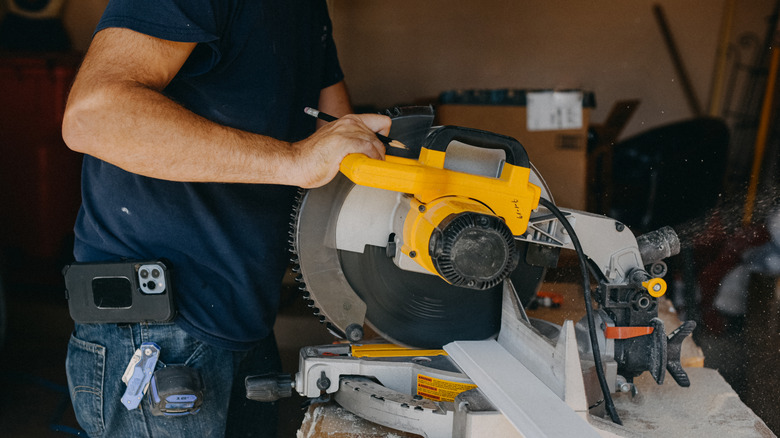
329	118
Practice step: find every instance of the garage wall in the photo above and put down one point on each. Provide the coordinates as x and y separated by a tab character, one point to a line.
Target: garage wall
81	17
402	51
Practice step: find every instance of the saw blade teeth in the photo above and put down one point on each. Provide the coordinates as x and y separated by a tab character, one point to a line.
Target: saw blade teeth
296	262
295	241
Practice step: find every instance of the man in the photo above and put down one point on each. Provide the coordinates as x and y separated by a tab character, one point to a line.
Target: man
190	113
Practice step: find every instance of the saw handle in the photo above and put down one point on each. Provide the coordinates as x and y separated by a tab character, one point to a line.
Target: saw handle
440	138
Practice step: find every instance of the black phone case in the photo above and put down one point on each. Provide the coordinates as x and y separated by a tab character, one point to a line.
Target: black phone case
86	304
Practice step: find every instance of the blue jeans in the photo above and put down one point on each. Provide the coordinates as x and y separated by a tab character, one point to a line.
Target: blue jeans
98	355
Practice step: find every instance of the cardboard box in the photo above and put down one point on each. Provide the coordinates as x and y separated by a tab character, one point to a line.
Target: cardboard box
560	155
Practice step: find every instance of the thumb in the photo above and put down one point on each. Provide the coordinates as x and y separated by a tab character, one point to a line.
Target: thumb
376	122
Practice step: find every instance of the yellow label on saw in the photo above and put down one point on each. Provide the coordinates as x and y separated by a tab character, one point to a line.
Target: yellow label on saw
391	350
440	390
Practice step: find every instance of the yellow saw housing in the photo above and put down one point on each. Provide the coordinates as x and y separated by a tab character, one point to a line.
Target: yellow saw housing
439	195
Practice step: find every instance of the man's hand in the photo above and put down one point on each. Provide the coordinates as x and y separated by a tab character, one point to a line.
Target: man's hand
320	155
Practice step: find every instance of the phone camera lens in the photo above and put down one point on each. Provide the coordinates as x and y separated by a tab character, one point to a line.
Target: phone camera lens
144	273
151	285
155	273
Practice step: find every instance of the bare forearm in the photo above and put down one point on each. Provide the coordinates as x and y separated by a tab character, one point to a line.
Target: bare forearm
142	131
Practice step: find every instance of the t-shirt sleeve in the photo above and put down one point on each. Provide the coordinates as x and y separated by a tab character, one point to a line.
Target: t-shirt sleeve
193	21
173	20
331	72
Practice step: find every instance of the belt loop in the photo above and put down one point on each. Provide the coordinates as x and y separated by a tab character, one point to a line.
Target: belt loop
135	335
143	329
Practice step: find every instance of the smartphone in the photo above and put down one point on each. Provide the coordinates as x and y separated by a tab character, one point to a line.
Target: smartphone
120	292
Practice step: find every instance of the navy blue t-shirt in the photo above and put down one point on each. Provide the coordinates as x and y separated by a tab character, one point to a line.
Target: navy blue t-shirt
257	64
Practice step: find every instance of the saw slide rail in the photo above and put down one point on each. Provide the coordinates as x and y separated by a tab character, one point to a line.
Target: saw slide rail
608	244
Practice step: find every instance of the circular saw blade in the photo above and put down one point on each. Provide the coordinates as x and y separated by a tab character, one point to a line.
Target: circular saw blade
348	288
421	310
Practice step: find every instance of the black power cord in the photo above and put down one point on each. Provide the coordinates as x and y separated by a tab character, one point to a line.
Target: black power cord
608	403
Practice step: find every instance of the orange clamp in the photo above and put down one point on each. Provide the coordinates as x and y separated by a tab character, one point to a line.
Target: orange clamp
627	332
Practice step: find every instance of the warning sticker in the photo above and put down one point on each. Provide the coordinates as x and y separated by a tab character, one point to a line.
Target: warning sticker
440	390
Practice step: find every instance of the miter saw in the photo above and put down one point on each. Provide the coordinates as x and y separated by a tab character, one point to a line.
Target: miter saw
438	248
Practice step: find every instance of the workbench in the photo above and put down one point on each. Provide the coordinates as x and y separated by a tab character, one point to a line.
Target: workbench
709	407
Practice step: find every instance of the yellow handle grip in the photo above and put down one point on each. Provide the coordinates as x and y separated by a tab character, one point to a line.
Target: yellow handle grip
510	196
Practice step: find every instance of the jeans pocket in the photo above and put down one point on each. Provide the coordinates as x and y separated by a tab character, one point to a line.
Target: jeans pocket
85	368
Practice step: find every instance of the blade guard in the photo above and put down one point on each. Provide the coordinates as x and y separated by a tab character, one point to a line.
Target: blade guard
510	196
